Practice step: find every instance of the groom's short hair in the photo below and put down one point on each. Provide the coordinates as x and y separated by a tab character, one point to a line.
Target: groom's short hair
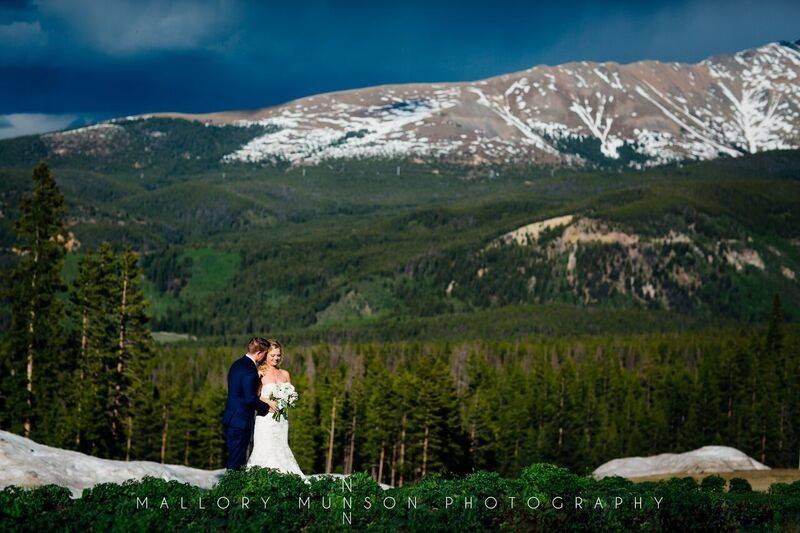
257	344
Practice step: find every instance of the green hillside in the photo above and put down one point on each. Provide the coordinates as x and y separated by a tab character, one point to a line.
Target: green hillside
401	248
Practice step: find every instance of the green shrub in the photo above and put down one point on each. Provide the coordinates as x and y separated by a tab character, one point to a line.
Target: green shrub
32	508
739	485
550	479
713	484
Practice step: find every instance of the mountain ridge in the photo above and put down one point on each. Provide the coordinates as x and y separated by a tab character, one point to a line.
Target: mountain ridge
579	108
578	114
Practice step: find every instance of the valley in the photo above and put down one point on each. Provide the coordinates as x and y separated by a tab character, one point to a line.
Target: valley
357	249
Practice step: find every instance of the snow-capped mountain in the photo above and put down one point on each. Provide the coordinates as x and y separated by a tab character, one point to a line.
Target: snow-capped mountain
642	113
639	114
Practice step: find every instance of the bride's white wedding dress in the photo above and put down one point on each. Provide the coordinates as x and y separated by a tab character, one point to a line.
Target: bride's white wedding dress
271	442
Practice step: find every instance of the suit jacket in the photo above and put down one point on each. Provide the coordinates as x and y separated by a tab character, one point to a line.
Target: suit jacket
243	401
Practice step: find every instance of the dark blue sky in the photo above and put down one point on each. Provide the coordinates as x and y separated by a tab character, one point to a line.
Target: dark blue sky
66	60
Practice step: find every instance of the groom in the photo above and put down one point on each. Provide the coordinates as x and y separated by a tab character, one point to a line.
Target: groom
243	402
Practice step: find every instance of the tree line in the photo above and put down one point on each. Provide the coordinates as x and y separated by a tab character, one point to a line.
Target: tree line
403	410
400	411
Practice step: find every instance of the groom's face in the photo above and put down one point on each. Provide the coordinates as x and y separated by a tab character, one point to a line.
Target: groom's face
260	356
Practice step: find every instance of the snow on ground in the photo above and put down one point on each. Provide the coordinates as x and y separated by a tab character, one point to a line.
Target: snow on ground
25	463
708	459
347	130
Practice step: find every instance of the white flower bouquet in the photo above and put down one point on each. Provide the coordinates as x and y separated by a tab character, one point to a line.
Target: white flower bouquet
285	395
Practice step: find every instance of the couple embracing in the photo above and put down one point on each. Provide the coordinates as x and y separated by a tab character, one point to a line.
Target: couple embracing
252	411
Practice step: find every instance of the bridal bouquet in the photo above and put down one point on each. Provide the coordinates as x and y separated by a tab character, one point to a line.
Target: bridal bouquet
285	396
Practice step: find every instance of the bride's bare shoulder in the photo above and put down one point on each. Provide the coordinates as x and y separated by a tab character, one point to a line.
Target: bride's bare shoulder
285	375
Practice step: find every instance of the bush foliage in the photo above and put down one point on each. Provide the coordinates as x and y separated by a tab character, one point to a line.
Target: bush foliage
543	497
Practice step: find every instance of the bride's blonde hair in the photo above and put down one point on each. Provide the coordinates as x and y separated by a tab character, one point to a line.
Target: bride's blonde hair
271	344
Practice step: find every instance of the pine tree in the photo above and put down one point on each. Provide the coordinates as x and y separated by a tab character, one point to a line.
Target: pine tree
133	350
774	341
435	434
779	366
93	310
304	422
33	342
381	417
209	450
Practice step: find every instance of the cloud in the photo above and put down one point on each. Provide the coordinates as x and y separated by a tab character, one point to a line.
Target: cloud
685	31
22	35
119	27
17	124
22	32
121	57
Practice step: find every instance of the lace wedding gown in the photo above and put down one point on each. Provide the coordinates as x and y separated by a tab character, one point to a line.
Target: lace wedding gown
271	442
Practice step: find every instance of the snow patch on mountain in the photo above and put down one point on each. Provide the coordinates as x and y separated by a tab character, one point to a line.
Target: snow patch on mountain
598	124
349	131
500	106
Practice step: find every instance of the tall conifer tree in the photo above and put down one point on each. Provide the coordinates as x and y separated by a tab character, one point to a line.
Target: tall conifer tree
94	305
32	358
133	351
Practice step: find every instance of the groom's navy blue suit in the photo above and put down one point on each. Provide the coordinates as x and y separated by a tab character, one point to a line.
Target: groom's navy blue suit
240	409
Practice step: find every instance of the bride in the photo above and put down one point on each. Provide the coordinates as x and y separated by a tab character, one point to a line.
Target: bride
270	436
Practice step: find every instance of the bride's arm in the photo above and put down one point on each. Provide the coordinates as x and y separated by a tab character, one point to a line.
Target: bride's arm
273	405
